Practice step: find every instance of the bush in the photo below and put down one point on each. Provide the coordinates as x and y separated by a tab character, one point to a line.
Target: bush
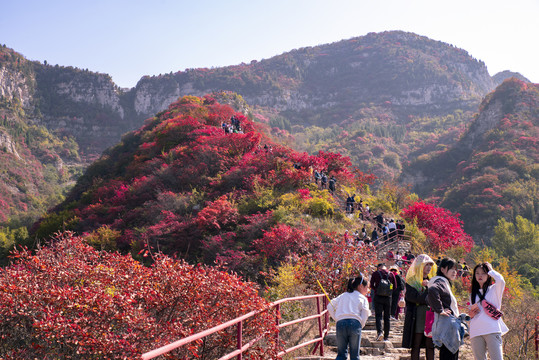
69	301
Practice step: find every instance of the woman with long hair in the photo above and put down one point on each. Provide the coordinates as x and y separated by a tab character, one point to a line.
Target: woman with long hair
486	326
444	305
350	310
420	272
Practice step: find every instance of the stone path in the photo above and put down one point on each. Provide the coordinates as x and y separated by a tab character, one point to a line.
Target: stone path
380	350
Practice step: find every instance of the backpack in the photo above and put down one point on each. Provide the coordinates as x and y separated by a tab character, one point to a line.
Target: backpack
385	287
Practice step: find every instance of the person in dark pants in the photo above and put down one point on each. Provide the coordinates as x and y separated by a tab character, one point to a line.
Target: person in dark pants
382	299
441	300
420	272
394	269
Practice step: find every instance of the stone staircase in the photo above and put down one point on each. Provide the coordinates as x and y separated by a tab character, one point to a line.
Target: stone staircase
370	348
381	350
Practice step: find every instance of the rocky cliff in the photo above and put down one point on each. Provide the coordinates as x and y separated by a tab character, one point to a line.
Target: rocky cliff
411	72
321	85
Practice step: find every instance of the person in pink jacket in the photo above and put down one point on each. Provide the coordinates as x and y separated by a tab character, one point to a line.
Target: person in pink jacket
486	325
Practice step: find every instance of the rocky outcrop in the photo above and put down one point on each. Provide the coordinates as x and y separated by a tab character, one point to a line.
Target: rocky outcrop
7	144
14	85
487	120
101	92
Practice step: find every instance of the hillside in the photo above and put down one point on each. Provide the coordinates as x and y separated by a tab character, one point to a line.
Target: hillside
384	99
492	172
182	185
36	166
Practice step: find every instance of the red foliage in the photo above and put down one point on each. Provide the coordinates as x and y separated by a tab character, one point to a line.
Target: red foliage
281	241
69	301
217	215
184	149
332	262
442	228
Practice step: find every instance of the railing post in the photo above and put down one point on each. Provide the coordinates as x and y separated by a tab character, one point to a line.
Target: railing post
326	304
277	315
320	330
536	338
239	339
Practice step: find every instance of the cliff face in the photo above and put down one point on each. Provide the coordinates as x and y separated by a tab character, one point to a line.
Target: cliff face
412	73
7	145
14	85
67	101
319	85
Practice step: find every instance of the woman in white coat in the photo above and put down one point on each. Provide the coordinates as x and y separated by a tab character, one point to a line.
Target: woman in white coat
486	325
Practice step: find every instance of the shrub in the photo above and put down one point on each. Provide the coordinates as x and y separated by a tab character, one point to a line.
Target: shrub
70	301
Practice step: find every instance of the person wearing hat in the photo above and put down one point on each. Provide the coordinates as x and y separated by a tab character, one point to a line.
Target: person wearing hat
397	290
421	270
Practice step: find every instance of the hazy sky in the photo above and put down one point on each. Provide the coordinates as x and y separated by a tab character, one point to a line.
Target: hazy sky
132	38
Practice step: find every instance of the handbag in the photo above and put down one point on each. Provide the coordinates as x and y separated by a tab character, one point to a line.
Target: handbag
429	320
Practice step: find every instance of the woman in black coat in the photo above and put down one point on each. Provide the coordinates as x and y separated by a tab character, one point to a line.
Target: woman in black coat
413	337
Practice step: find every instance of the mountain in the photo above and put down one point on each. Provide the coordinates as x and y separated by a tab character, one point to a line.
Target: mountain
321	85
183	185
325	84
492	172
67	101
384	99
504	75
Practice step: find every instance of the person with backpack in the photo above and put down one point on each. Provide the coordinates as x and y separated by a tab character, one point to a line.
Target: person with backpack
317	177
487	326
351	311
374	237
382	285
350	201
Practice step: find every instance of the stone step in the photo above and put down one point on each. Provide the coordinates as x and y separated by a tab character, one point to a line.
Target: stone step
370	347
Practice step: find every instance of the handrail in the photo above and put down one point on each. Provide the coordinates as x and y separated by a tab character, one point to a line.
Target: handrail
391	240
323	329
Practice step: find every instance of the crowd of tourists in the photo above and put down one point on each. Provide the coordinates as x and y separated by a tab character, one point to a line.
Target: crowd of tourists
233	127
324	181
432	318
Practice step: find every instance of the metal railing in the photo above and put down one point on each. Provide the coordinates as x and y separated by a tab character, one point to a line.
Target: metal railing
323	322
393	240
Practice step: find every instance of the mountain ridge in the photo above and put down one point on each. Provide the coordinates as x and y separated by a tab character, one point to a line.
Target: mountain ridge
295	83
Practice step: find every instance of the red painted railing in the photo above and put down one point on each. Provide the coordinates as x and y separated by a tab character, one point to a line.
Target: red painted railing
322	316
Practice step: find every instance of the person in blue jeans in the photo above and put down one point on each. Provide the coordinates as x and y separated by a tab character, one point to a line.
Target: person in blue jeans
351	311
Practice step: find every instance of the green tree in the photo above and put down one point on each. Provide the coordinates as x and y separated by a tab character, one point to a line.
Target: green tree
519	242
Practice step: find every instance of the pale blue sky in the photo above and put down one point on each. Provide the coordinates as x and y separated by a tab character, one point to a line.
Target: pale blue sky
131	38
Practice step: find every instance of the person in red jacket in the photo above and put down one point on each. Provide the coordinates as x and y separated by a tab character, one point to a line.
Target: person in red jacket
382	299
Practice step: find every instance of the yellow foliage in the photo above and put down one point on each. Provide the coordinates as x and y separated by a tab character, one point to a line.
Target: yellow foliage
104	238
287	282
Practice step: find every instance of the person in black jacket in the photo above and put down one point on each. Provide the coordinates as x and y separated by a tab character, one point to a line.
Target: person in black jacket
441	300
397	290
413	336
382	303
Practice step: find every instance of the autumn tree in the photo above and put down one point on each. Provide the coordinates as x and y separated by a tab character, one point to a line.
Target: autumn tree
442	228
